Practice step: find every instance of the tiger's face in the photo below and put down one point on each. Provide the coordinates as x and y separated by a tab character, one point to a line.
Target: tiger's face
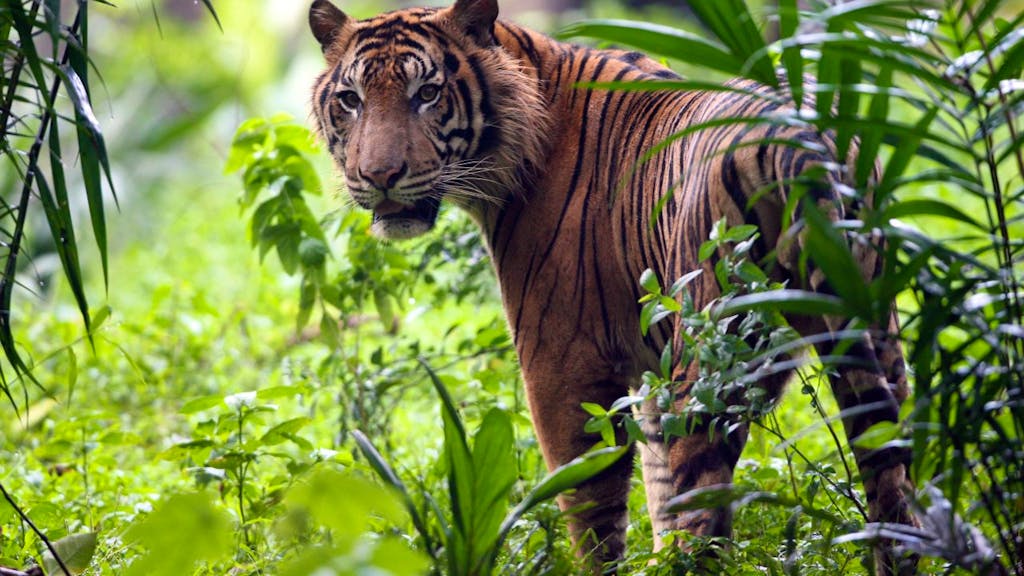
407	109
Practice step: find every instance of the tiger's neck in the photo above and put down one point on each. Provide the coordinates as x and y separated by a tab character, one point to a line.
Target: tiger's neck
573	224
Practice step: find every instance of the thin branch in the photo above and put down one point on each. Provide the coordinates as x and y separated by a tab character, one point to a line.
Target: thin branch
36	530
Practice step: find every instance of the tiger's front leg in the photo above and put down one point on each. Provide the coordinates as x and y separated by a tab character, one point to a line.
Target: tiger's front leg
598	514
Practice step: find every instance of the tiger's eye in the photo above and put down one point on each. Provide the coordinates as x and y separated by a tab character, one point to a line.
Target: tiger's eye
428	93
349	99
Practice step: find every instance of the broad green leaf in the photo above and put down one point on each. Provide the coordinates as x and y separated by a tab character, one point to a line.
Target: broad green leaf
75	551
346	503
494	474
199	404
284	431
570	475
649	281
181	532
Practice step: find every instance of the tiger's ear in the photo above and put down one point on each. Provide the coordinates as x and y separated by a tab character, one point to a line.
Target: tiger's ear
326	21
475	18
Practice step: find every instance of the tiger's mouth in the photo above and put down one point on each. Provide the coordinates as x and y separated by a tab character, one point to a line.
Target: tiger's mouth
397	221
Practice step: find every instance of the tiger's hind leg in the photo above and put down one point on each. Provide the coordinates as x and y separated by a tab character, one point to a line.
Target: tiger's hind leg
705	457
869	384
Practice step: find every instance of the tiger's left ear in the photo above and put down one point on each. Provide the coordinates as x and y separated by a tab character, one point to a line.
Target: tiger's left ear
476	19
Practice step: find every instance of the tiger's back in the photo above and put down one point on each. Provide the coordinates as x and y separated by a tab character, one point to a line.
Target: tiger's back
421	106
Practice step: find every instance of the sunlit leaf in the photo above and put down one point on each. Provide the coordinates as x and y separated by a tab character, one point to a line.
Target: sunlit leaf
181	532
75	552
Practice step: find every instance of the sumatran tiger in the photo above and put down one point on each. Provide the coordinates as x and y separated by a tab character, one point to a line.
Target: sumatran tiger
420	106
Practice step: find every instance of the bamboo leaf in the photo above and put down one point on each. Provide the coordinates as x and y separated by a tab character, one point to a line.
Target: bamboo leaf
929	207
209	7
93	156
871	139
661	40
831	254
733	24
792	59
788	300
903	154
61	224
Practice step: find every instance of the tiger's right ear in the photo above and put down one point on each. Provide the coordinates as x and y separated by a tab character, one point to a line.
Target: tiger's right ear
326	21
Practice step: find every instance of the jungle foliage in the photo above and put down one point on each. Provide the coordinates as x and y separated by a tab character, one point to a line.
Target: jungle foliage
310	400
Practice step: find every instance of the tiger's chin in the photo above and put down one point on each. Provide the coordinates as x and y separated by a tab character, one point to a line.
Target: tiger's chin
395	221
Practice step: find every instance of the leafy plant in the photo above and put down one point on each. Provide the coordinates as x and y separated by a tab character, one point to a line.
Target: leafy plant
933	90
468	538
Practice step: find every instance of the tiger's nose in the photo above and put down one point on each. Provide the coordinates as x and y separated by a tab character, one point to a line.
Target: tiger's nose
383	178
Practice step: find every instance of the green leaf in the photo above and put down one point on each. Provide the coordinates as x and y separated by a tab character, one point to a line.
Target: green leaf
92	149
61	223
733	24
382	301
181	532
903	154
787	301
346	503
878	435
707	248
284	431
929	207
871	136
494	474
571	475
209	7
75	551
661	40
831	254
199	404
565	477
649	281
739	233
792	59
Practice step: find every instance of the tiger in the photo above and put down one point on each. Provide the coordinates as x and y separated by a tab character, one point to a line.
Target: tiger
421	106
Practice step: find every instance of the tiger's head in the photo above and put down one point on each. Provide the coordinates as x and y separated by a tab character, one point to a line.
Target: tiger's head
419	105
